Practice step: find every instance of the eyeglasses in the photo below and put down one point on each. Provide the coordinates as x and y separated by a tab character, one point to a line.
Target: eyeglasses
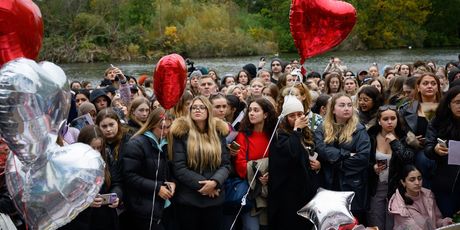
387	107
198	107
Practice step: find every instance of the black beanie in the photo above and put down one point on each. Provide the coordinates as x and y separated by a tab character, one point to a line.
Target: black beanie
251	69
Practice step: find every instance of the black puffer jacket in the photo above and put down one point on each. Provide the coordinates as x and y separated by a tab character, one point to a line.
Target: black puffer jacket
187	179
139	166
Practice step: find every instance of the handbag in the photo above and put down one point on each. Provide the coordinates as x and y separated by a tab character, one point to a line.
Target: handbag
236	188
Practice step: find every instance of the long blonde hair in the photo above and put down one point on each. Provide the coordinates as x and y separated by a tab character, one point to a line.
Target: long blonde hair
332	132
203	146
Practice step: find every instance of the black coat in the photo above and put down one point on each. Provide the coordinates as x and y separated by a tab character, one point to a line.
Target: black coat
447	177
343	172
401	155
292	184
187	179
139	166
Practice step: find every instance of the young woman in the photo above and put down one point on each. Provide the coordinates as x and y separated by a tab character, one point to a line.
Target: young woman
350	86
413	206
404	70
201	165
255	131
219	105
81	95
243	77
333	84
292	148
115	134
343	146
416	116
271	90
236	90
257	85
445	126
182	107
146	173
138	113
369	101
388	155
395	91
99	216
228	80
320	106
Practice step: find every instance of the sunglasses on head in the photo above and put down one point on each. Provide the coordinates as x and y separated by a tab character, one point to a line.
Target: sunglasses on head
387	107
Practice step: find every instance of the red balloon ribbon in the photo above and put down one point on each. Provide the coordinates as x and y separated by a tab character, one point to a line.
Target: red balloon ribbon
21	30
169	80
319	25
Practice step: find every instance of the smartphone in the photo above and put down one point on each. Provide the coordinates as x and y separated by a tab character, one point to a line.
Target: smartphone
382	162
108	198
234	145
442	142
262	58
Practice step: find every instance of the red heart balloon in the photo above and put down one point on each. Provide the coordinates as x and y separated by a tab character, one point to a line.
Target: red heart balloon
21	30
170	80
319	25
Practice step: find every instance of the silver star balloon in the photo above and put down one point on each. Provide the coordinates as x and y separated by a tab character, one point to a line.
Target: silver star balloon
329	209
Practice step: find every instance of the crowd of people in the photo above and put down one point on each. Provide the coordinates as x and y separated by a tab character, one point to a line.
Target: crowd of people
383	134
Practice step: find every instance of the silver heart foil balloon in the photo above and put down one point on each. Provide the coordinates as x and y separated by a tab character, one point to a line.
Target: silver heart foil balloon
61	184
34	99
329	209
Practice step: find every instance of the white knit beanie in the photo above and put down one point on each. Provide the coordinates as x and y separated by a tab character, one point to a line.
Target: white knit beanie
291	105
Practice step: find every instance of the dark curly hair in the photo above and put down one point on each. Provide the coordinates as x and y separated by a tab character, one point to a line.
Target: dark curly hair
270	120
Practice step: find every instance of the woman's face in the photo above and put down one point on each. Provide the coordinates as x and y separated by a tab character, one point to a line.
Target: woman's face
292	117
267	92
229	81
365	102
288	68
389	77
194	82
256	114
373	71
219	107
377	85
239	93
79	99
334	85
290	80
404	71
388	120
350	86
413	182
343	108
455	106
96	144
256	88
321	84
141	113
243	78
161	129
198	111
213	75
109	127
428	86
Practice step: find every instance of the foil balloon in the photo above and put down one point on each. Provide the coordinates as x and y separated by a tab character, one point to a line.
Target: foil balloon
59	185
21	30
34	99
319	25
170	80
329	209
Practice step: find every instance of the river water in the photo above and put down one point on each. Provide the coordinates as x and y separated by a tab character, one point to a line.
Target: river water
354	60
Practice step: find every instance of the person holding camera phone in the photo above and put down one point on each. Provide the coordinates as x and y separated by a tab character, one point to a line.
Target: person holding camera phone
389	153
146	173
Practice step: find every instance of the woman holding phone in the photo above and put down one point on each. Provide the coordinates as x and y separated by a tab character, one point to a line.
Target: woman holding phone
102	213
389	154
146	173
444	127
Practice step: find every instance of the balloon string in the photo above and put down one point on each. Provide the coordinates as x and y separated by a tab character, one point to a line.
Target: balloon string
20	193
280	117
156	172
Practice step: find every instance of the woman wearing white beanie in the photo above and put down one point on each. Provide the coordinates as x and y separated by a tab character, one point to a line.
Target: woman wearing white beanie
293	168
